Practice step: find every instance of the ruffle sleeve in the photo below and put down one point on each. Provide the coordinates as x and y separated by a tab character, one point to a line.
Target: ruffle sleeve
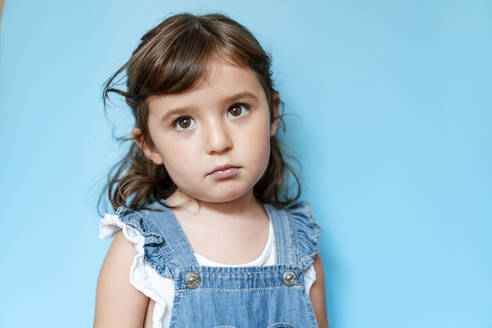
158	287
308	232
153	242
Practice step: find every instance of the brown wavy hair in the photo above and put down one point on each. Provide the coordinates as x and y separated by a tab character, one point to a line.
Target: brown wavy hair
170	59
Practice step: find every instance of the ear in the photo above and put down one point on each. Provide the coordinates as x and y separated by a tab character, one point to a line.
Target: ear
150	152
274	123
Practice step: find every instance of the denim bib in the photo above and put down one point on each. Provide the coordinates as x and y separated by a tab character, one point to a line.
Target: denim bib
233	297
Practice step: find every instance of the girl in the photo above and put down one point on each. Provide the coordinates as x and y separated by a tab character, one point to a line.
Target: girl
204	234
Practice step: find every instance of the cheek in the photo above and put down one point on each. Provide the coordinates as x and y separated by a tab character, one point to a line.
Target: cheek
258	141
179	158
177	153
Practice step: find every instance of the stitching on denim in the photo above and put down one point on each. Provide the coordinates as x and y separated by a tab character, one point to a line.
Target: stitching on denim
238	289
178	296
241	270
309	310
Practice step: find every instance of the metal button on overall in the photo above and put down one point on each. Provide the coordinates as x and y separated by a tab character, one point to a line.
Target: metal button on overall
289	278
192	280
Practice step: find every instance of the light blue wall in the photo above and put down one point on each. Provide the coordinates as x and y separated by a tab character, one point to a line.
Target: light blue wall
393	130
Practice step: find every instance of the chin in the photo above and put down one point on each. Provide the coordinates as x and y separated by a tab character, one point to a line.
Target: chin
224	196
222	199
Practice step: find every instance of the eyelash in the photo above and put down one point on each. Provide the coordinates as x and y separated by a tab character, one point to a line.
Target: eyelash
175	122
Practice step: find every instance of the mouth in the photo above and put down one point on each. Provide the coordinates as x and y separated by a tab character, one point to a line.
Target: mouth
224	170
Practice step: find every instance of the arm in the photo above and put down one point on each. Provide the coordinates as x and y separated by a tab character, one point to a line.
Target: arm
118	303
317	293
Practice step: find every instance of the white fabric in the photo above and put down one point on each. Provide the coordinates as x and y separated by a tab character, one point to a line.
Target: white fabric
161	290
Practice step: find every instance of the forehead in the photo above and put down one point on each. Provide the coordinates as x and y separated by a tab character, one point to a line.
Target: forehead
221	80
222	71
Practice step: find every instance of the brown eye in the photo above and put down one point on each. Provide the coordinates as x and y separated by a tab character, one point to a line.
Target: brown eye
183	123
238	109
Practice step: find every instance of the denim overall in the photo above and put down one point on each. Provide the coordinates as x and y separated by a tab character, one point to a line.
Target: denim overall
254	296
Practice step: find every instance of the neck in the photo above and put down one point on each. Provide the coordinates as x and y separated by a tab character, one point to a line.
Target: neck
236	207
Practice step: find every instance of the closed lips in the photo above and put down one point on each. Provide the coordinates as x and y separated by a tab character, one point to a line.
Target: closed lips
222	168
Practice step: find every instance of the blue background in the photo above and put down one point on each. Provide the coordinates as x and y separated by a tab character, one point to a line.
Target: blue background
392	125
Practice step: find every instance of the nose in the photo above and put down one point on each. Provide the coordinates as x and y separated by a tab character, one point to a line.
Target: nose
217	137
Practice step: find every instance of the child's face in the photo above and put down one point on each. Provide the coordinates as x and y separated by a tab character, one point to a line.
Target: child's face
212	131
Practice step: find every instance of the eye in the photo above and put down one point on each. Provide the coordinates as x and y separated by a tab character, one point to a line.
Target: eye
237	109
183	122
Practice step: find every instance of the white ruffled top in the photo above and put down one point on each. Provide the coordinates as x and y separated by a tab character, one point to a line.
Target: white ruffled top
161	290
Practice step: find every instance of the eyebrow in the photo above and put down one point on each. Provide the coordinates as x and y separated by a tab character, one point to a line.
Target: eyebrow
181	110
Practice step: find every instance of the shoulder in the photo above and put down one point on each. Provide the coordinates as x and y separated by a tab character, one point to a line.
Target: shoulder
135	224
142	233
119	257
133	271
118	303
122	246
